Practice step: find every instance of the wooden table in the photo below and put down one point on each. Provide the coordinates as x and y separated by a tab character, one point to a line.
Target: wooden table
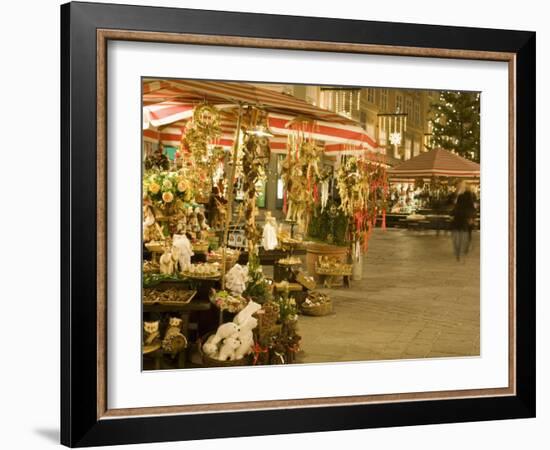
328	277
183	310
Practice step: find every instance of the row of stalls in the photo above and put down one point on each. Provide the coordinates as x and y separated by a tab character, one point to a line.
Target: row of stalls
226	273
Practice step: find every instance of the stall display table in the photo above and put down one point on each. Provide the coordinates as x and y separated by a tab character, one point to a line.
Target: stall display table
328	276
284	271
183	309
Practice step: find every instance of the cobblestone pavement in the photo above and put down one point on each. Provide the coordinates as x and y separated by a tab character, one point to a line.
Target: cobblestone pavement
414	301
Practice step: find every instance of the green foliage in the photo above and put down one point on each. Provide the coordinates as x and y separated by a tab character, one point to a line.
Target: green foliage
456	123
257	287
153	279
329	226
287	307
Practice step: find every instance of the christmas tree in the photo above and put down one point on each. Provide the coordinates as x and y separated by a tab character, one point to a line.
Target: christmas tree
455	123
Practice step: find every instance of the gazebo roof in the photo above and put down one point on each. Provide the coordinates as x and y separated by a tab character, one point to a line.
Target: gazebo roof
436	162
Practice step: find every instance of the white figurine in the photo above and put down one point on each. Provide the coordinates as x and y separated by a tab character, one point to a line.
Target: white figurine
148	223
246	338
225	330
227	350
324	194
233	340
209	348
166	262
235	279
251	308
269	238
184	250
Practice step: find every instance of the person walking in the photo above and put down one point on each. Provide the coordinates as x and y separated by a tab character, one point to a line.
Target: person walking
463	218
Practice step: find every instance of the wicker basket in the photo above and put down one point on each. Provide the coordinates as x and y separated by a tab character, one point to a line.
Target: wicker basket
306	281
317	310
198	276
230	261
155	247
212	362
200	247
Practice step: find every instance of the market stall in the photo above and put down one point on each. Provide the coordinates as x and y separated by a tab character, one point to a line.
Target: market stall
420	187
206	149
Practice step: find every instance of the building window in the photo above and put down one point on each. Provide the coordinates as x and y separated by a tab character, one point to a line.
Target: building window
408	106
384	100
382	133
261	190
399	103
417	113
363	119
408	145
370	95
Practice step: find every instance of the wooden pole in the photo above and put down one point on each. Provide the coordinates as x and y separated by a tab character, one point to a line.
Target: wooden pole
230	194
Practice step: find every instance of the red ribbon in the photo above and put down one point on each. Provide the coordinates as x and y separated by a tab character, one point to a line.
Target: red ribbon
316	193
295	348
257	349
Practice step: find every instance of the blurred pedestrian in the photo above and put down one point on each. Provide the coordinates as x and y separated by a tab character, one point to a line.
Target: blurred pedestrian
463	219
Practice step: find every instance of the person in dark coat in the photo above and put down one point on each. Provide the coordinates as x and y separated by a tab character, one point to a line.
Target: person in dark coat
463	213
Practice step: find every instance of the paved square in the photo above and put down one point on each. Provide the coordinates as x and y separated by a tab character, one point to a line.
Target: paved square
414	301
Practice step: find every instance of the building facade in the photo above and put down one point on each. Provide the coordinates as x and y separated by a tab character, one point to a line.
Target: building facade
380	111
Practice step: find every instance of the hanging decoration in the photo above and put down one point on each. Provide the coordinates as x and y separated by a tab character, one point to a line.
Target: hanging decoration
256	154
203	157
393	126
362	186
300	172
344	101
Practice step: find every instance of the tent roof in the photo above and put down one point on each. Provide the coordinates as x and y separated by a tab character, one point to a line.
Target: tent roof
223	92
436	162
169	103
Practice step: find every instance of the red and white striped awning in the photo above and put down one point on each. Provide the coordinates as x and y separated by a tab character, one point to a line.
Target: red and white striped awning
230	92
168	104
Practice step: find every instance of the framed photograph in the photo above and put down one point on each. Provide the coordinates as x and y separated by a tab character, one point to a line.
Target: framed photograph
277	224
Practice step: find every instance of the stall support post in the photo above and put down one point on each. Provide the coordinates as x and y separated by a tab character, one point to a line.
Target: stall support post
230	195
